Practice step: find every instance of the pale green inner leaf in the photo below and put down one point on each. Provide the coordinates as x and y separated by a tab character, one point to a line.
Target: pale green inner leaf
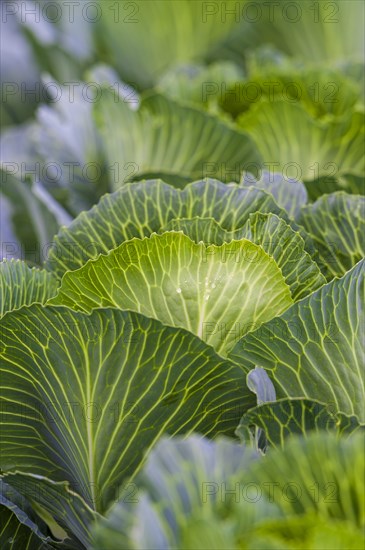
217	292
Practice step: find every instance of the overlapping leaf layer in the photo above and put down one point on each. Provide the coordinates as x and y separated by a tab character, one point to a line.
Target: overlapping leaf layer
182	285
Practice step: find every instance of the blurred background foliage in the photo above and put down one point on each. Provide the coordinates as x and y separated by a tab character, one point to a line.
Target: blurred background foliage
96	94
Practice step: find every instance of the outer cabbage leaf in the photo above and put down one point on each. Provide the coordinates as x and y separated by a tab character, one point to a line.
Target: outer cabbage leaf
67	515
337	224
350	183
290	194
17	534
316	348
21	527
139	209
22	286
91	394
286	417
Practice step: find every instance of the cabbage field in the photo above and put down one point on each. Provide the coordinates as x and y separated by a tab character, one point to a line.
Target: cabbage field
182	325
